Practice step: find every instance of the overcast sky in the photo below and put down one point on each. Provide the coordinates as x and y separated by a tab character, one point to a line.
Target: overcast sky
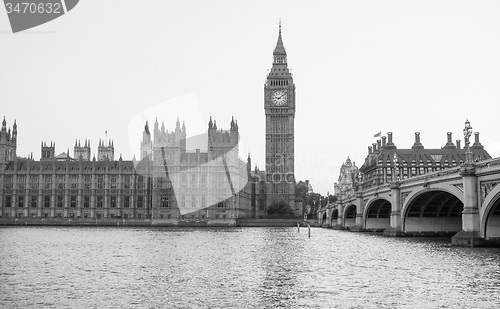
359	67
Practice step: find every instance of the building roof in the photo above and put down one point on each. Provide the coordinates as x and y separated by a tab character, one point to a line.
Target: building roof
448	155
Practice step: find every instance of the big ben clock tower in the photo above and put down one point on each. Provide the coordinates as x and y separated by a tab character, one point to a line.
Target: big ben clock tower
279	106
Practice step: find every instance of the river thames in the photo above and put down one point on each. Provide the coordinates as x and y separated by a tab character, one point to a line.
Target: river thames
78	267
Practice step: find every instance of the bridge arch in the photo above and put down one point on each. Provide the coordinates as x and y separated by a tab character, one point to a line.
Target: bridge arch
350	216
377	214
334	217
490	214
433	211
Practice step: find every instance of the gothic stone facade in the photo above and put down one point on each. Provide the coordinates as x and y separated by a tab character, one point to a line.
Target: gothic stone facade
168	183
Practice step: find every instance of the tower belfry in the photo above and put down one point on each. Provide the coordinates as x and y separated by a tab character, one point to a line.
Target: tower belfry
279	106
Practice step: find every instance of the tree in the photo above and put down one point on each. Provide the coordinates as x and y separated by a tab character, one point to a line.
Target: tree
332	198
280	209
324	200
301	190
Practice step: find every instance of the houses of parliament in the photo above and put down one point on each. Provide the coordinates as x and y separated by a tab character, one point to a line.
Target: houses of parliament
167	183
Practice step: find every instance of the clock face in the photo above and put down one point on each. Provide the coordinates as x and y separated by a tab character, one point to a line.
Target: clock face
279	97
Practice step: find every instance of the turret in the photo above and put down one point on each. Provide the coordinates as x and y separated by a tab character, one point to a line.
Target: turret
222	141
14	130
48	152
8	143
106	152
146	144
249	165
82	152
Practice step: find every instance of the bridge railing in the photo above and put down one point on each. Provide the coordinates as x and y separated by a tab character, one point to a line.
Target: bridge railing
487	163
444	172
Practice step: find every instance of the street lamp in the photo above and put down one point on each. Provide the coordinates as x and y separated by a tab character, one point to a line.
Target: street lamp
359	180
395	176
467	135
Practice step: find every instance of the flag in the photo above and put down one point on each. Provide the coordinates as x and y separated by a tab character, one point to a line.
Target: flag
378	134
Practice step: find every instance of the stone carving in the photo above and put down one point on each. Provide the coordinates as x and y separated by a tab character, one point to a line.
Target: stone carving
460	187
404	195
486	188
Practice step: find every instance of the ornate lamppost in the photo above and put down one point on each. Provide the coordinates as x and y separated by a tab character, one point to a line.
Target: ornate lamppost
467	135
395	175
359	180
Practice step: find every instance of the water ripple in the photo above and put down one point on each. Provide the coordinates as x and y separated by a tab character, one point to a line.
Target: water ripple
55	267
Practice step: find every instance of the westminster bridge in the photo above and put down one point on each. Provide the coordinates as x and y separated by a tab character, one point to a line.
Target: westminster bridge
463	201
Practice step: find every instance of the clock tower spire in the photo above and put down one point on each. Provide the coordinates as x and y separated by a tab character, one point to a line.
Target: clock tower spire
279	106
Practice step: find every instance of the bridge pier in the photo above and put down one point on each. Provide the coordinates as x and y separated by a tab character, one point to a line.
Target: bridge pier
396	229
328	218
470	235
340	218
360	210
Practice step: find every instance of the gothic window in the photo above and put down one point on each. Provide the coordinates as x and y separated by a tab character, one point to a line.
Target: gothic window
86	181
21	180
46	201
140	201
47	180
100	201
20	201
8	182
113	181
34	181
139	182
72	201
126	201
34	200
8	201
60	181
113	201
164	201
86	201
60	201
126	181
100	181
